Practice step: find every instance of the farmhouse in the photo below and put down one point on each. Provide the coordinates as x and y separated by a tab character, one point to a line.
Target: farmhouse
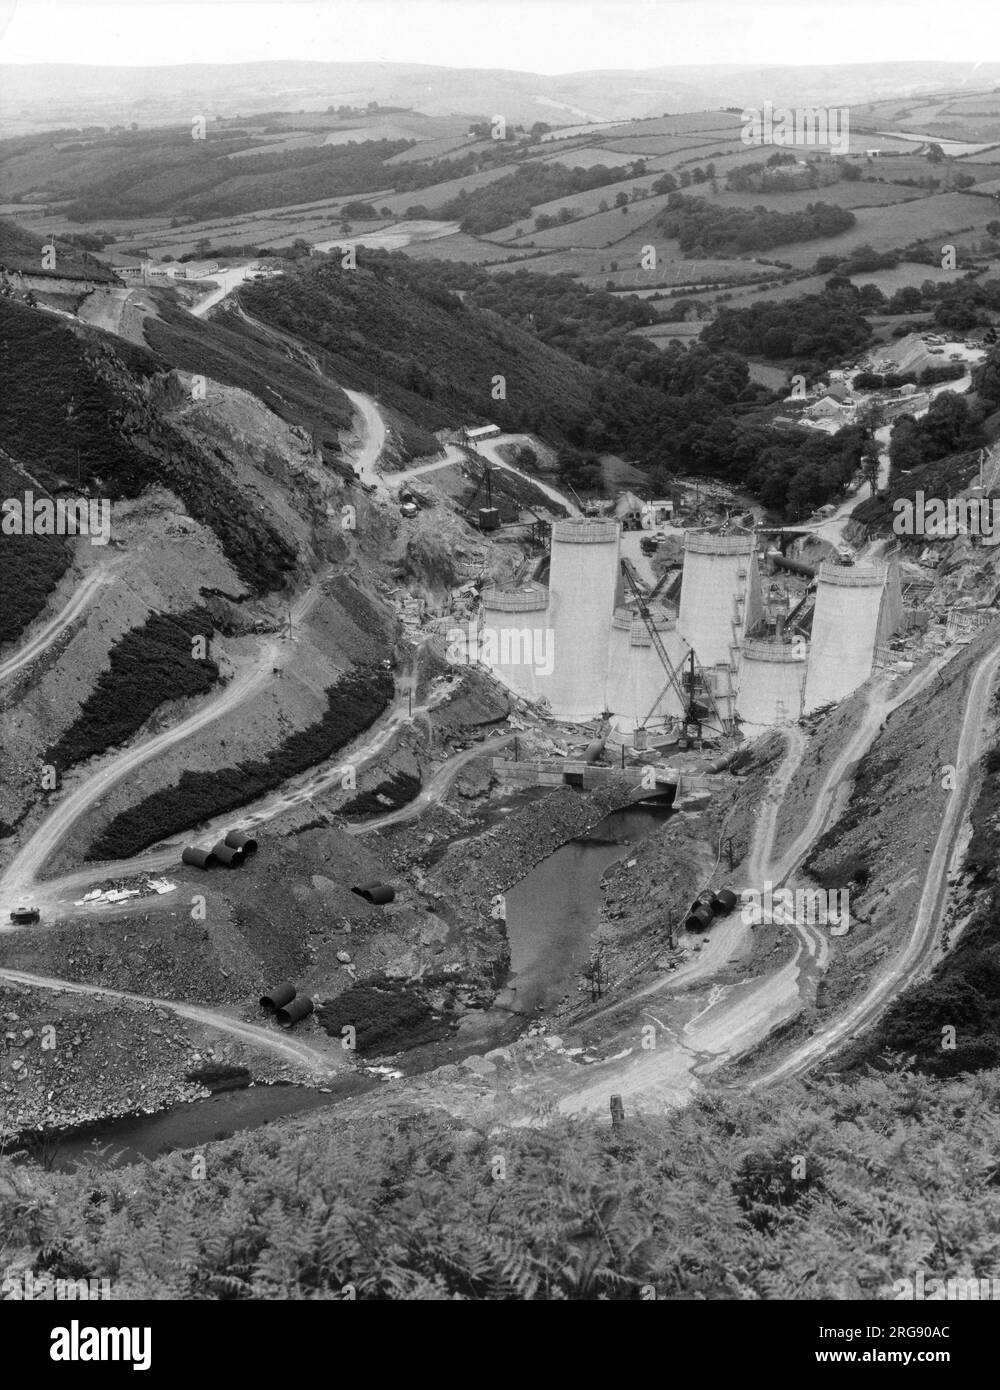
829	408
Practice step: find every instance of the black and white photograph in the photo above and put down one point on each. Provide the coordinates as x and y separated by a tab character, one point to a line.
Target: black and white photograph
499	672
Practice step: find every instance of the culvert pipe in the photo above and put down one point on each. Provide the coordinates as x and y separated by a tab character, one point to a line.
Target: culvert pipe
225	854
297	1009
200	858
278	997
239	839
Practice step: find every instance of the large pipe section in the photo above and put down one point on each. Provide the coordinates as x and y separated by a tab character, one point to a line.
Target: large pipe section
782	562
225	854
378	893
200	858
298	1008
277	998
238	839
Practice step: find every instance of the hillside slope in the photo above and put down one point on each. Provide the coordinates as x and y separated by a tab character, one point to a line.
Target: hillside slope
437	361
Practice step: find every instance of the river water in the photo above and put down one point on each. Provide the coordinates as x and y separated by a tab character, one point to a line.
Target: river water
554	911
118	1142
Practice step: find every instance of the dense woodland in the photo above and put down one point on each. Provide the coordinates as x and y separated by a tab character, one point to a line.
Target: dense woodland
814	330
703	229
506	200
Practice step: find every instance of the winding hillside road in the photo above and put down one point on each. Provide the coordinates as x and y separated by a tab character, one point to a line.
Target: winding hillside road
24	868
81	598
372	438
285	1046
903	969
435	789
737	1017
454	457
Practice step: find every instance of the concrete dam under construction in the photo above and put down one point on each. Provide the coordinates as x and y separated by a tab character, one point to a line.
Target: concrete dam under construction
734	641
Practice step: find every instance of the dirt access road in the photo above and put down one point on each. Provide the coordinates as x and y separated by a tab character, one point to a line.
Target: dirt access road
17	882
736	1017
25	867
454	457
80	599
907	965
289	1048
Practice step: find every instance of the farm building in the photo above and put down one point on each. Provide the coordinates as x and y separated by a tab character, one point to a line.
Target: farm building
128	267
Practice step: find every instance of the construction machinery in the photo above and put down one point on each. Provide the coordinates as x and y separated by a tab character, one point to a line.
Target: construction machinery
486	518
694	691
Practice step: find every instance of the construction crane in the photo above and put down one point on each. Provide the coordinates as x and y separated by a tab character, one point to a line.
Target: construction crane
690	707
487	518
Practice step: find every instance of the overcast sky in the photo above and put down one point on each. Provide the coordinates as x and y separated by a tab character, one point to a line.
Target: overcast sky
548	36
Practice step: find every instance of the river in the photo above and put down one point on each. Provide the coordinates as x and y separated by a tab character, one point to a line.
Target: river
187	1126
554	911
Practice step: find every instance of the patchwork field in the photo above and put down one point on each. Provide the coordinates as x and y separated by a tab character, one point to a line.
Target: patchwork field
951	214
599	229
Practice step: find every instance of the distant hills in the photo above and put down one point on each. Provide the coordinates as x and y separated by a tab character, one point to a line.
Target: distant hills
51	96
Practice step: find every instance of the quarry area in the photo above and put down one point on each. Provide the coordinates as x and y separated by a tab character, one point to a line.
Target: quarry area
378	763
588	754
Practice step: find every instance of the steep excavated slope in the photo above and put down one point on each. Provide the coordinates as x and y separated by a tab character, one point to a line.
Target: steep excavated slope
885	822
97	426
216	502
232	350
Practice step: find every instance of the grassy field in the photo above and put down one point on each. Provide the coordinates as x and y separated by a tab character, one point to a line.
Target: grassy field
664	333
846	194
688	123
468	249
593	267
945	215
586	156
599	229
438	193
273	143
439	148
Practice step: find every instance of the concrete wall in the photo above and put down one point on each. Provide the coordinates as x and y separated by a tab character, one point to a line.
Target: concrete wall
720	594
635	673
847	626
771	684
584	590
